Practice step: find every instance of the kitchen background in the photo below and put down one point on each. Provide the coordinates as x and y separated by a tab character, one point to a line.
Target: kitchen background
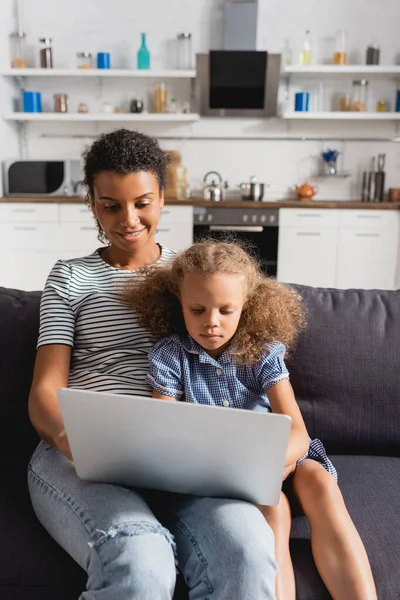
235	147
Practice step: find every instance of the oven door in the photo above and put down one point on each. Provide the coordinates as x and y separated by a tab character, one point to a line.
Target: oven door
260	241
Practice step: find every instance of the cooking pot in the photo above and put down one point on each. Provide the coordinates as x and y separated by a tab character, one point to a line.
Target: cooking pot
252	190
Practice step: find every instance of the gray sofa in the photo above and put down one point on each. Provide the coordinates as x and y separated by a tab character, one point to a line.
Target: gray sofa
346	375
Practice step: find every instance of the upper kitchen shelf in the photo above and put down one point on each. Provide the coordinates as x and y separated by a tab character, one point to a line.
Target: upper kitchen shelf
342	116
94	117
138	73
337	70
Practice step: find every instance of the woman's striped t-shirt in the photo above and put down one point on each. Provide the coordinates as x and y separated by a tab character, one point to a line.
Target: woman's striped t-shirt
81	307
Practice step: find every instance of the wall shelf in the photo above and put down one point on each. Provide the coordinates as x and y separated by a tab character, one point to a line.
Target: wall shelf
138	73
342	116
342	70
96	117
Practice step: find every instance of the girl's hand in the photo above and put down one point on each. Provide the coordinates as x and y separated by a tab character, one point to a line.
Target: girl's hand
288	470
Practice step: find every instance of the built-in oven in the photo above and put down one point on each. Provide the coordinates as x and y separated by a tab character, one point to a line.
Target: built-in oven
257	227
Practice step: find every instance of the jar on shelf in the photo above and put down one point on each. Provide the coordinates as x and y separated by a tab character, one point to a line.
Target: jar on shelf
84	60
184	51
46	53
160	98
340	55
18	50
60	103
359	95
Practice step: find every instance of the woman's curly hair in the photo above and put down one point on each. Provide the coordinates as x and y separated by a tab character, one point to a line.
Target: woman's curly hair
123	151
272	311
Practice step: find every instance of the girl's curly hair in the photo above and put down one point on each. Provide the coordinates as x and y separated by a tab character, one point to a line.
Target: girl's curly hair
272	311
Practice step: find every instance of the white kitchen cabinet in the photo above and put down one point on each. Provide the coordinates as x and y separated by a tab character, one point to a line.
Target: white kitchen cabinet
368	250
307	256
33	236
342	248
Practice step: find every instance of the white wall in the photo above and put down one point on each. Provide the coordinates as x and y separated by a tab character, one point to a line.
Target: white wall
100	25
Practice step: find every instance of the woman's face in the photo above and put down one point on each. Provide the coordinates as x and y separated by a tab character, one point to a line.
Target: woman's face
127	207
211	308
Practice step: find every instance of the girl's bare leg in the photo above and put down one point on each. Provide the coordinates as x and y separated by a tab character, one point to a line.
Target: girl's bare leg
279	519
338	551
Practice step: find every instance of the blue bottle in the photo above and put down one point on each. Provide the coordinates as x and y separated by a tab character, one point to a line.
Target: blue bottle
143	55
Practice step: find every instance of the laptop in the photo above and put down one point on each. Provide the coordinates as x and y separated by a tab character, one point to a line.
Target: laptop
176	446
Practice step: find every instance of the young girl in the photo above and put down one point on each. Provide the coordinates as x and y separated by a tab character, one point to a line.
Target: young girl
223	329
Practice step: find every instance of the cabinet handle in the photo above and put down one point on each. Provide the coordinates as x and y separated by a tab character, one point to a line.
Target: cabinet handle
309	233
254	228
369	216
160	230
23	210
165	212
24	228
87	228
302	215
368	235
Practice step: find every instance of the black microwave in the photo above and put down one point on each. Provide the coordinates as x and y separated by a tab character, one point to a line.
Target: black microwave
37	178
237	83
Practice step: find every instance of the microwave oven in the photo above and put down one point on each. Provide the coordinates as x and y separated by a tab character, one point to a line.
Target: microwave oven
237	83
26	178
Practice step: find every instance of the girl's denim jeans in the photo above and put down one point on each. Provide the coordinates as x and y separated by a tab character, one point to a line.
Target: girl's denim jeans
224	548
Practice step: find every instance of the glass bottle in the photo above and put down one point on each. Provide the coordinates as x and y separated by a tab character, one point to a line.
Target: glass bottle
287	54
184	54
143	55
18	50
46	53
84	60
340	54
372	54
305	54
359	96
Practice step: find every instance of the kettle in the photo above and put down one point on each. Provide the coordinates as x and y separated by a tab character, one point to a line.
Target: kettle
214	191
306	190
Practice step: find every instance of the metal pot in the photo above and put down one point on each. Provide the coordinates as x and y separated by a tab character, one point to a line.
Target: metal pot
252	190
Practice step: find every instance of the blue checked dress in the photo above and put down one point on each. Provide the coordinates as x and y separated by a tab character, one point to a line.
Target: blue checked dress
182	369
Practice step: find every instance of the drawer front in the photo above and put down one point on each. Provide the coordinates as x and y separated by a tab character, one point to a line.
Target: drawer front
308	217
172	214
368	218
29	236
26	212
79	237
178	237
75	213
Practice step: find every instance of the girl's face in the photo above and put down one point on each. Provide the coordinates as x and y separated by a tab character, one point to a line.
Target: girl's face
211	309
127	207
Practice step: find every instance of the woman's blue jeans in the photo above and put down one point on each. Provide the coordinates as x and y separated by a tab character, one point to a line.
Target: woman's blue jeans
224	548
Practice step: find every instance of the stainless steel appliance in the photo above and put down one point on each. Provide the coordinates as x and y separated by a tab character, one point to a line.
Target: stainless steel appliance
252	190
258	228
214	191
40	177
237	83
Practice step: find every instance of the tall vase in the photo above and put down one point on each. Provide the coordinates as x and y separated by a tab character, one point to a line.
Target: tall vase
143	55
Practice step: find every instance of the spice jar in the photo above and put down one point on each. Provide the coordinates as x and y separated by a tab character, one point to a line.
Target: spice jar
84	60
359	96
184	51
340	55
60	103
83	108
160	99
46	53
18	50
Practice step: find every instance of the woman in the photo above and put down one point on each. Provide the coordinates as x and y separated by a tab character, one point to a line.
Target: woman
89	340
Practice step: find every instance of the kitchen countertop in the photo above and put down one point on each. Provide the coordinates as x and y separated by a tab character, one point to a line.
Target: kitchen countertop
230	203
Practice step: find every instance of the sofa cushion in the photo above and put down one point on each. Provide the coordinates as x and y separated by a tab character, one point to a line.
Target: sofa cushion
371	489
345	370
19	325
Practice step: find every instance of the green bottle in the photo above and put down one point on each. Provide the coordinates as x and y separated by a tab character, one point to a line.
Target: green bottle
143	55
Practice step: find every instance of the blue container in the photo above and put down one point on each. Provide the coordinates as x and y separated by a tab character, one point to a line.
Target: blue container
301	101
103	60
398	101
32	102
143	55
